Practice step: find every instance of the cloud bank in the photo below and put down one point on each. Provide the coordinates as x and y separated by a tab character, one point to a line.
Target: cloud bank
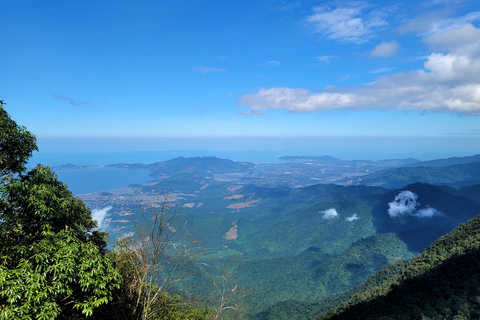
330	214
405	203
448	82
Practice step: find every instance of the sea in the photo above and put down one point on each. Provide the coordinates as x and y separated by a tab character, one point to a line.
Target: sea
97	176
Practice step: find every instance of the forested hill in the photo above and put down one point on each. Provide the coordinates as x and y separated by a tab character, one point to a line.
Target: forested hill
455	175
441	283
199	165
446	162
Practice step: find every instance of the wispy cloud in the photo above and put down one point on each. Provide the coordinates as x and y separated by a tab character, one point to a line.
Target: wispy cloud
385	49
436	22
348	76
288	7
325	59
382	70
205	70
100	214
274	63
252	112
347	23
70	100
448	82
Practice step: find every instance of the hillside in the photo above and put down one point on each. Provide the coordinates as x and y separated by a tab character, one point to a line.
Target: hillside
309	247
442	282
190	166
455	175
447	162
307	244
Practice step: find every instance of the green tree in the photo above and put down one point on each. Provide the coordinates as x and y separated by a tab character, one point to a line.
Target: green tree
156	257
16	144
52	261
152	260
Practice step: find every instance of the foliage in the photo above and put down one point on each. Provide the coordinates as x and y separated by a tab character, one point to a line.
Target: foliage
56	277
456	175
151	261
292	256
228	294
38	202
52	263
441	283
16	144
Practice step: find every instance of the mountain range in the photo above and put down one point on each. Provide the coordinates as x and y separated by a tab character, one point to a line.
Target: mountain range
305	250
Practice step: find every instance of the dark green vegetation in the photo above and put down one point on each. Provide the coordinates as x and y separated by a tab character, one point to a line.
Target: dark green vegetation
462	174
302	251
447	162
53	261
441	283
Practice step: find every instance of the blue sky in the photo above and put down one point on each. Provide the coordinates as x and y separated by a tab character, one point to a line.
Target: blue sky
263	74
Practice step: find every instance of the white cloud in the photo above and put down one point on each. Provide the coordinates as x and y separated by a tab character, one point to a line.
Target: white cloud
100	214
330	214
463	40
433	22
385	49
405	203
427	212
352	218
204	70
346	23
449	82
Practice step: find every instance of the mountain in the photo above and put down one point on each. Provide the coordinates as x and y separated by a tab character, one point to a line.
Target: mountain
455	175
471	192
310	247
197	165
441	283
447	162
308	244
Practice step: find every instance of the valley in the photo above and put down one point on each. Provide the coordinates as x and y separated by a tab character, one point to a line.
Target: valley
301	233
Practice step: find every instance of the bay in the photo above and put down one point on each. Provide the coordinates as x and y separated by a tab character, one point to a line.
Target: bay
100	178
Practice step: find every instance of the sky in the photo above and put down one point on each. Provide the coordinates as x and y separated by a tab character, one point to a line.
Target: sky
184	74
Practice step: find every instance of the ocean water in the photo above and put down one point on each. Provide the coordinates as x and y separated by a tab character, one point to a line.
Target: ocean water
98	177
105	158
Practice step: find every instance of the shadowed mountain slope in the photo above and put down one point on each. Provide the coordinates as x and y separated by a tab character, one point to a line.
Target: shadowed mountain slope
441	283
